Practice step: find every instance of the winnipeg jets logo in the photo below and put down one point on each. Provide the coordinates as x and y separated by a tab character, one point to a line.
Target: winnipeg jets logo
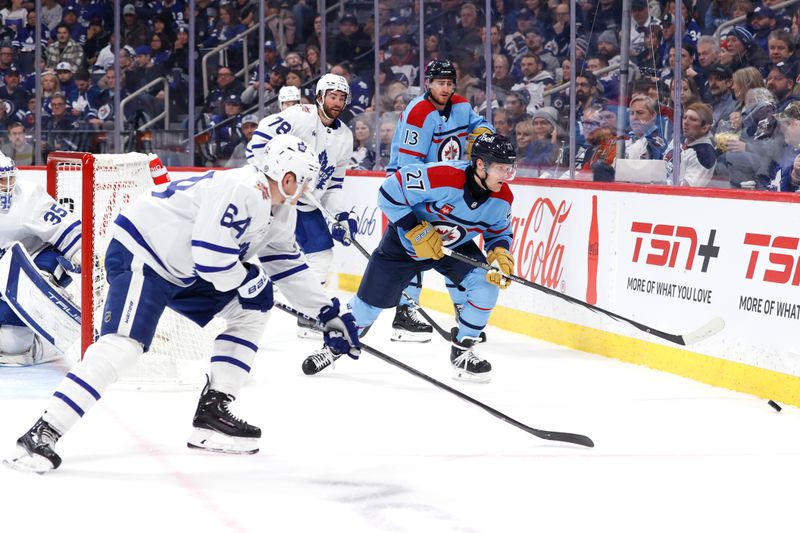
325	170
450	233
450	149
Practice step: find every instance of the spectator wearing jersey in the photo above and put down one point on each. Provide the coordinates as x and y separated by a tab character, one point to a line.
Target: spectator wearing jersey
228	127
18	147
13	92
783	171
363	144
25	42
534	81
162	50
105	103
64	49
134	31
76	30
82	101
402	59
698	157
227	27
226	85
64	73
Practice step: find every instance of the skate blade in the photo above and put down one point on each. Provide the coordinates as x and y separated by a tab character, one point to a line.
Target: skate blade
402	335
33	464
214	441
308	333
462	375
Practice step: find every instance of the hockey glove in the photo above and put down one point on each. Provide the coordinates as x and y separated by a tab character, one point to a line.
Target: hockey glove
344	228
340	331
502	261
426	241
255	292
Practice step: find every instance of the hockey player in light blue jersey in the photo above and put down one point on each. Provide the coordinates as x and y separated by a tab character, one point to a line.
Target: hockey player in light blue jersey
210	245
435	126
52	235
443	204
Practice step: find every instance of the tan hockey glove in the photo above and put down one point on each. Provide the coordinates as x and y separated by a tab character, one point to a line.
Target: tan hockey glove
426	241
502	260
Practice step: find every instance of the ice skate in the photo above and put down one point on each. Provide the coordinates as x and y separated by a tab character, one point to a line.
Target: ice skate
36	451
217	430
407	326
308	329
466	365
319	361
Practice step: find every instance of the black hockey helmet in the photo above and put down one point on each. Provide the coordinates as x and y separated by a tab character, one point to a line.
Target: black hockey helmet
440	69
493	148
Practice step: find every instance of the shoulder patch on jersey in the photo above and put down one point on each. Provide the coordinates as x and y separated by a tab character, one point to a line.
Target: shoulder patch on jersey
706	155
458	99
446	176
418	113
504	194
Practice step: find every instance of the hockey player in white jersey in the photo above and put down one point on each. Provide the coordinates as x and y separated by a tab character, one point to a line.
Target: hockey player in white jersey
319	126
191	245
52	236
288	96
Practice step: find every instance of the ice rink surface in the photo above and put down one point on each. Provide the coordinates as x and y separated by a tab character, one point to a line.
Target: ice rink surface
366	447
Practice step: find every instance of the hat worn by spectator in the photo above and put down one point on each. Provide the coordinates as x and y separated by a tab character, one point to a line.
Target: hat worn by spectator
400	39
666	21
550	114
249	119
280	70
397	20
12	71
64	66
610	37
348	18
762	12
582	44
743	34
787	69
144	50
72	8
128	9
721	71
233	99
270	45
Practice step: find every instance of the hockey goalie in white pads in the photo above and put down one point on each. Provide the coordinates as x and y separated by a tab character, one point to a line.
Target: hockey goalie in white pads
319	126
206	265
52	237
40	304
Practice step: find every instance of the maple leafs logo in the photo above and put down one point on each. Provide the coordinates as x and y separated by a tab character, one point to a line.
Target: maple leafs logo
325	170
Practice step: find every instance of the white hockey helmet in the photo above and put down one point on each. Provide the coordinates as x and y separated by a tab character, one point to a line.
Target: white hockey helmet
289	93
8	180
287	153
332	82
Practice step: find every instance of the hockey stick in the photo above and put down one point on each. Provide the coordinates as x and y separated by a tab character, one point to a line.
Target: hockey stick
351	240
711	328
572	438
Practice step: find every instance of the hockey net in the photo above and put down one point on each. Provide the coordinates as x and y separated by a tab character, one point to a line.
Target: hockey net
97	187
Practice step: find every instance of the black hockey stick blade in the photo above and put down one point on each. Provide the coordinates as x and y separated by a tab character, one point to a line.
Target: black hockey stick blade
711	328
572	438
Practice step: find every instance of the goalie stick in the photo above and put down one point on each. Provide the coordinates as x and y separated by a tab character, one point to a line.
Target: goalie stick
349	239
713	327
572	438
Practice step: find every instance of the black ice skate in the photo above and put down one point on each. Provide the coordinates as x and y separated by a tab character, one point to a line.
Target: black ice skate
319	361
37	449
466	365
407	326
217	430
308	329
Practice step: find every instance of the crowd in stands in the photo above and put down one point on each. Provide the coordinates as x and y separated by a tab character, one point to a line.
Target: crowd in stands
741	112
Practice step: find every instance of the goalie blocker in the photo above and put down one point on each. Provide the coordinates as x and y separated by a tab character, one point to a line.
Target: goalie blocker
38	303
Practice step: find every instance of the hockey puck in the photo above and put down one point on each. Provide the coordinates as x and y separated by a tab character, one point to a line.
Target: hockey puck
774	406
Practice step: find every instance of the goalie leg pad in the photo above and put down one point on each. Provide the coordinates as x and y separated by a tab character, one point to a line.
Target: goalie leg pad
103	364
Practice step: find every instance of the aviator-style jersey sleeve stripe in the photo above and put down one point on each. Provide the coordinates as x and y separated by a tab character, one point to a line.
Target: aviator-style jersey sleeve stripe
436	192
